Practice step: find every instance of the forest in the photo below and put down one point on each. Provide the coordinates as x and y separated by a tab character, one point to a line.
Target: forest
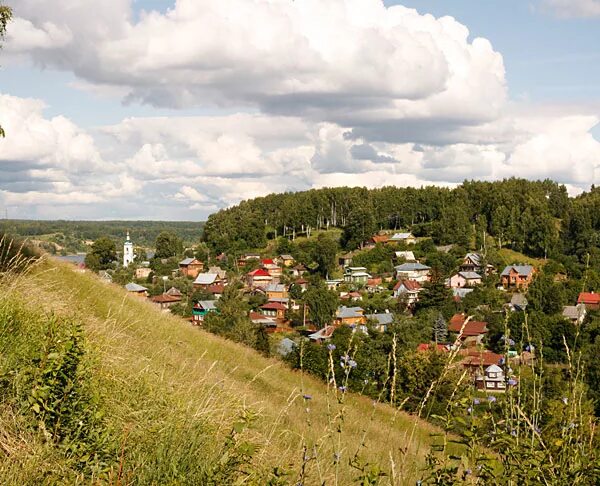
67	237
537	218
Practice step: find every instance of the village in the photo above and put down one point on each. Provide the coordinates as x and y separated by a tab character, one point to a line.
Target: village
276	283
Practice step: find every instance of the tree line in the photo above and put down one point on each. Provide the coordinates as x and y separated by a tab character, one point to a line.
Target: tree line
537	218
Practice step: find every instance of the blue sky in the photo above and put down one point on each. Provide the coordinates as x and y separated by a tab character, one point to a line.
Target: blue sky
232	100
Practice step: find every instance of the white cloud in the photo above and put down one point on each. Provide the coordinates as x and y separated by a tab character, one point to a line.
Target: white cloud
573	8
355	63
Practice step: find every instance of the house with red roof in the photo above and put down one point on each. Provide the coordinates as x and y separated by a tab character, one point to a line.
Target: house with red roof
164	301
471	332
591	300
259	278
408	290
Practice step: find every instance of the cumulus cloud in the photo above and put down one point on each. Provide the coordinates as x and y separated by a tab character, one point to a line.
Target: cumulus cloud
355	63
342	92
573	8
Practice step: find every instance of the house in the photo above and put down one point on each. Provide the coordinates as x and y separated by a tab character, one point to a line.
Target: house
346	260
350	296
298	270
270	266
165	301
413	271
381	321
478	359
322	334
356	275
471	332
173	292
333	284
276	291
408	291
268	323
205	280
518	302
408	256
136	289
286	260
440	348
575	313
349	316
142	273
244	259
459	294
464	279
591	300
473	262
259	278
190	267
202	308
216	290
491	380
378	239
274	310
302	283
220	272
374	285
517	276
406	238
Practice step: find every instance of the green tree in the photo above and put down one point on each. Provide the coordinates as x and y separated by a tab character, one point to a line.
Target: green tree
168	245
5	16
440	329
325	251
102	254
322	304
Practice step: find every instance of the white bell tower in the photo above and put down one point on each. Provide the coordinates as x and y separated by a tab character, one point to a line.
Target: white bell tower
127	252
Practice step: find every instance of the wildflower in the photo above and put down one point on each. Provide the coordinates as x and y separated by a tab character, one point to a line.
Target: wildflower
307	397
337	456
342	364
352	363
476	401
345	357
513	432
565	400
538	430
366	382
512	382
469	410
468	471
501	361
331	347
511	342
491	399
342	388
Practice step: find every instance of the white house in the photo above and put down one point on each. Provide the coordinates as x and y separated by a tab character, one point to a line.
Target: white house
408	290
413	271
493	379
356	275
464	279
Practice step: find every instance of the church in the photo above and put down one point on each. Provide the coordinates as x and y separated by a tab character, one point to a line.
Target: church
127	252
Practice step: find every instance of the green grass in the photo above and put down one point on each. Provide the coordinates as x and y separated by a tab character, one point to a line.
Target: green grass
171	394
510	257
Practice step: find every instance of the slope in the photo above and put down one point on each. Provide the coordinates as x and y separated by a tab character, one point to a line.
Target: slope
181	404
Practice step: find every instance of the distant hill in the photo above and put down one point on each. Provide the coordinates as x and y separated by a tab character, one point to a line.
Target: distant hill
71	236
154	400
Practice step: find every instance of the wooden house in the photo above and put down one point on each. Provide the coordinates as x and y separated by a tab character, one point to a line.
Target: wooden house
517	276
190	267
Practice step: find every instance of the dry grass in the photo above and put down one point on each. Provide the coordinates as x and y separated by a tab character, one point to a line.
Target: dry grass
156	372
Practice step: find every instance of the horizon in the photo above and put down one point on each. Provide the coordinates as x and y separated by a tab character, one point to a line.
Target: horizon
122	112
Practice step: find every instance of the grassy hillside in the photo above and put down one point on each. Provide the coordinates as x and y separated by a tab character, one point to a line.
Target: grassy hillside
178	405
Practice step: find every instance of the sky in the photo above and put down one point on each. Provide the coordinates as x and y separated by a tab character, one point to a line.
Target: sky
173	109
